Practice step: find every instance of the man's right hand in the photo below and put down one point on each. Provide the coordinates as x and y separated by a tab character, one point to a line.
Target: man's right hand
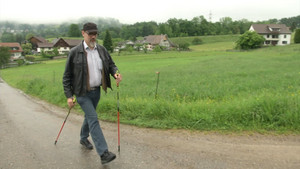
71	102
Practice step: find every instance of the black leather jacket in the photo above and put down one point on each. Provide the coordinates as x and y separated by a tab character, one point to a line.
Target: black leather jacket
76	71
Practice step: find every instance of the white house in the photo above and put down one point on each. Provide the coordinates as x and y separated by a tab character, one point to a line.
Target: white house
161	40
63	45
15	50
275	34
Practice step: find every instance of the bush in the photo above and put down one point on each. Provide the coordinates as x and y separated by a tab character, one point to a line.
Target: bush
249	40
157	49
183	46
197	41
20	62
55	51
30	58
297	36
47	54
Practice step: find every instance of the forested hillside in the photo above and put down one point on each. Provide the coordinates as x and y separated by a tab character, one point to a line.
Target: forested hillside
198	26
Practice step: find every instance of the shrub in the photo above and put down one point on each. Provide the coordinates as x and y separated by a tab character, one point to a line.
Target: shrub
55	51
197	41
157	49
297	36
30	58
20	62
183	46
249	40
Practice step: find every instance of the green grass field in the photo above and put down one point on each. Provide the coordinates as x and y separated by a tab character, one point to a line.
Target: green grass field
210	88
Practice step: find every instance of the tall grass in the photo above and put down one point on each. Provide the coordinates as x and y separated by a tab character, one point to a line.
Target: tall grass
210	88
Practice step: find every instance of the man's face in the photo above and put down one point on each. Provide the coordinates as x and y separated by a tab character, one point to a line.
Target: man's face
90	38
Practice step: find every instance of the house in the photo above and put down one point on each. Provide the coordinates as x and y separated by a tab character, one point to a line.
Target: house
123	45
35	40
149	42
73	42
275	34
161	40
46	46
15	50
63	45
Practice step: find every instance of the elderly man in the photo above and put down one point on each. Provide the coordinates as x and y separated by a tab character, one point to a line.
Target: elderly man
87	70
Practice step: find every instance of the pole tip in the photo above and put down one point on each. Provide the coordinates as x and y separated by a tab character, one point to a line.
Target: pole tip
55	142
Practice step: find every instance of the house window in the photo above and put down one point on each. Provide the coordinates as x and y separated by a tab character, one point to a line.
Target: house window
274	36
267	42
284	36
284	42
268	36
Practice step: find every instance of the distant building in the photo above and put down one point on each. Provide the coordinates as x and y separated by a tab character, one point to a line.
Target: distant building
36	40
15	50
149	42
161	40
63	45
275	34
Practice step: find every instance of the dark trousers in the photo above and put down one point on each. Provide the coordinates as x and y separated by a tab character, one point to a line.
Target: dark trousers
91	124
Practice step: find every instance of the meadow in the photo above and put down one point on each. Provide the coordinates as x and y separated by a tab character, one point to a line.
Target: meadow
210	88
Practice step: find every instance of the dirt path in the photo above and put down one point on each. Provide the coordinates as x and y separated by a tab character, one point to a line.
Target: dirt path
28	128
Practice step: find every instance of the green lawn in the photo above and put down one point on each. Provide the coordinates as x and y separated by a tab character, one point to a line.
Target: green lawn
211	87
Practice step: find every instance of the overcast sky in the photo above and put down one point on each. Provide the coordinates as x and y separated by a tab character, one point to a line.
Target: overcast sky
132	11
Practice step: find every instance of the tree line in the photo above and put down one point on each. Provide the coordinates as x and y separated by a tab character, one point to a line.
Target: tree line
198	26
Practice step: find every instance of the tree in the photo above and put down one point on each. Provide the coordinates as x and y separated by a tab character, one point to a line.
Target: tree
27	48
8	37
4	55
20	37
29	35
293	26
297	36
250	40
164	28
107	42
74	31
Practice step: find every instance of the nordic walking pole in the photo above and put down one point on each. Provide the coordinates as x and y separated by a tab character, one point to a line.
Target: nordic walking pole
74	100
118	103
157	84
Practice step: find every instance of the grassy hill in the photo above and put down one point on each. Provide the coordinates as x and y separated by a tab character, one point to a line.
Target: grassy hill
209	88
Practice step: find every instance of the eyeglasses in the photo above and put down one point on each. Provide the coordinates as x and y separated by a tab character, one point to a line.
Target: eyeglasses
92	33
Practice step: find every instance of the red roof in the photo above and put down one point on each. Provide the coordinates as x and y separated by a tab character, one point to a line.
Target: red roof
14	47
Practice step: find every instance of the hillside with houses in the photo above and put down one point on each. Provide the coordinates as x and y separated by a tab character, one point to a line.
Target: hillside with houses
274	31
274	34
